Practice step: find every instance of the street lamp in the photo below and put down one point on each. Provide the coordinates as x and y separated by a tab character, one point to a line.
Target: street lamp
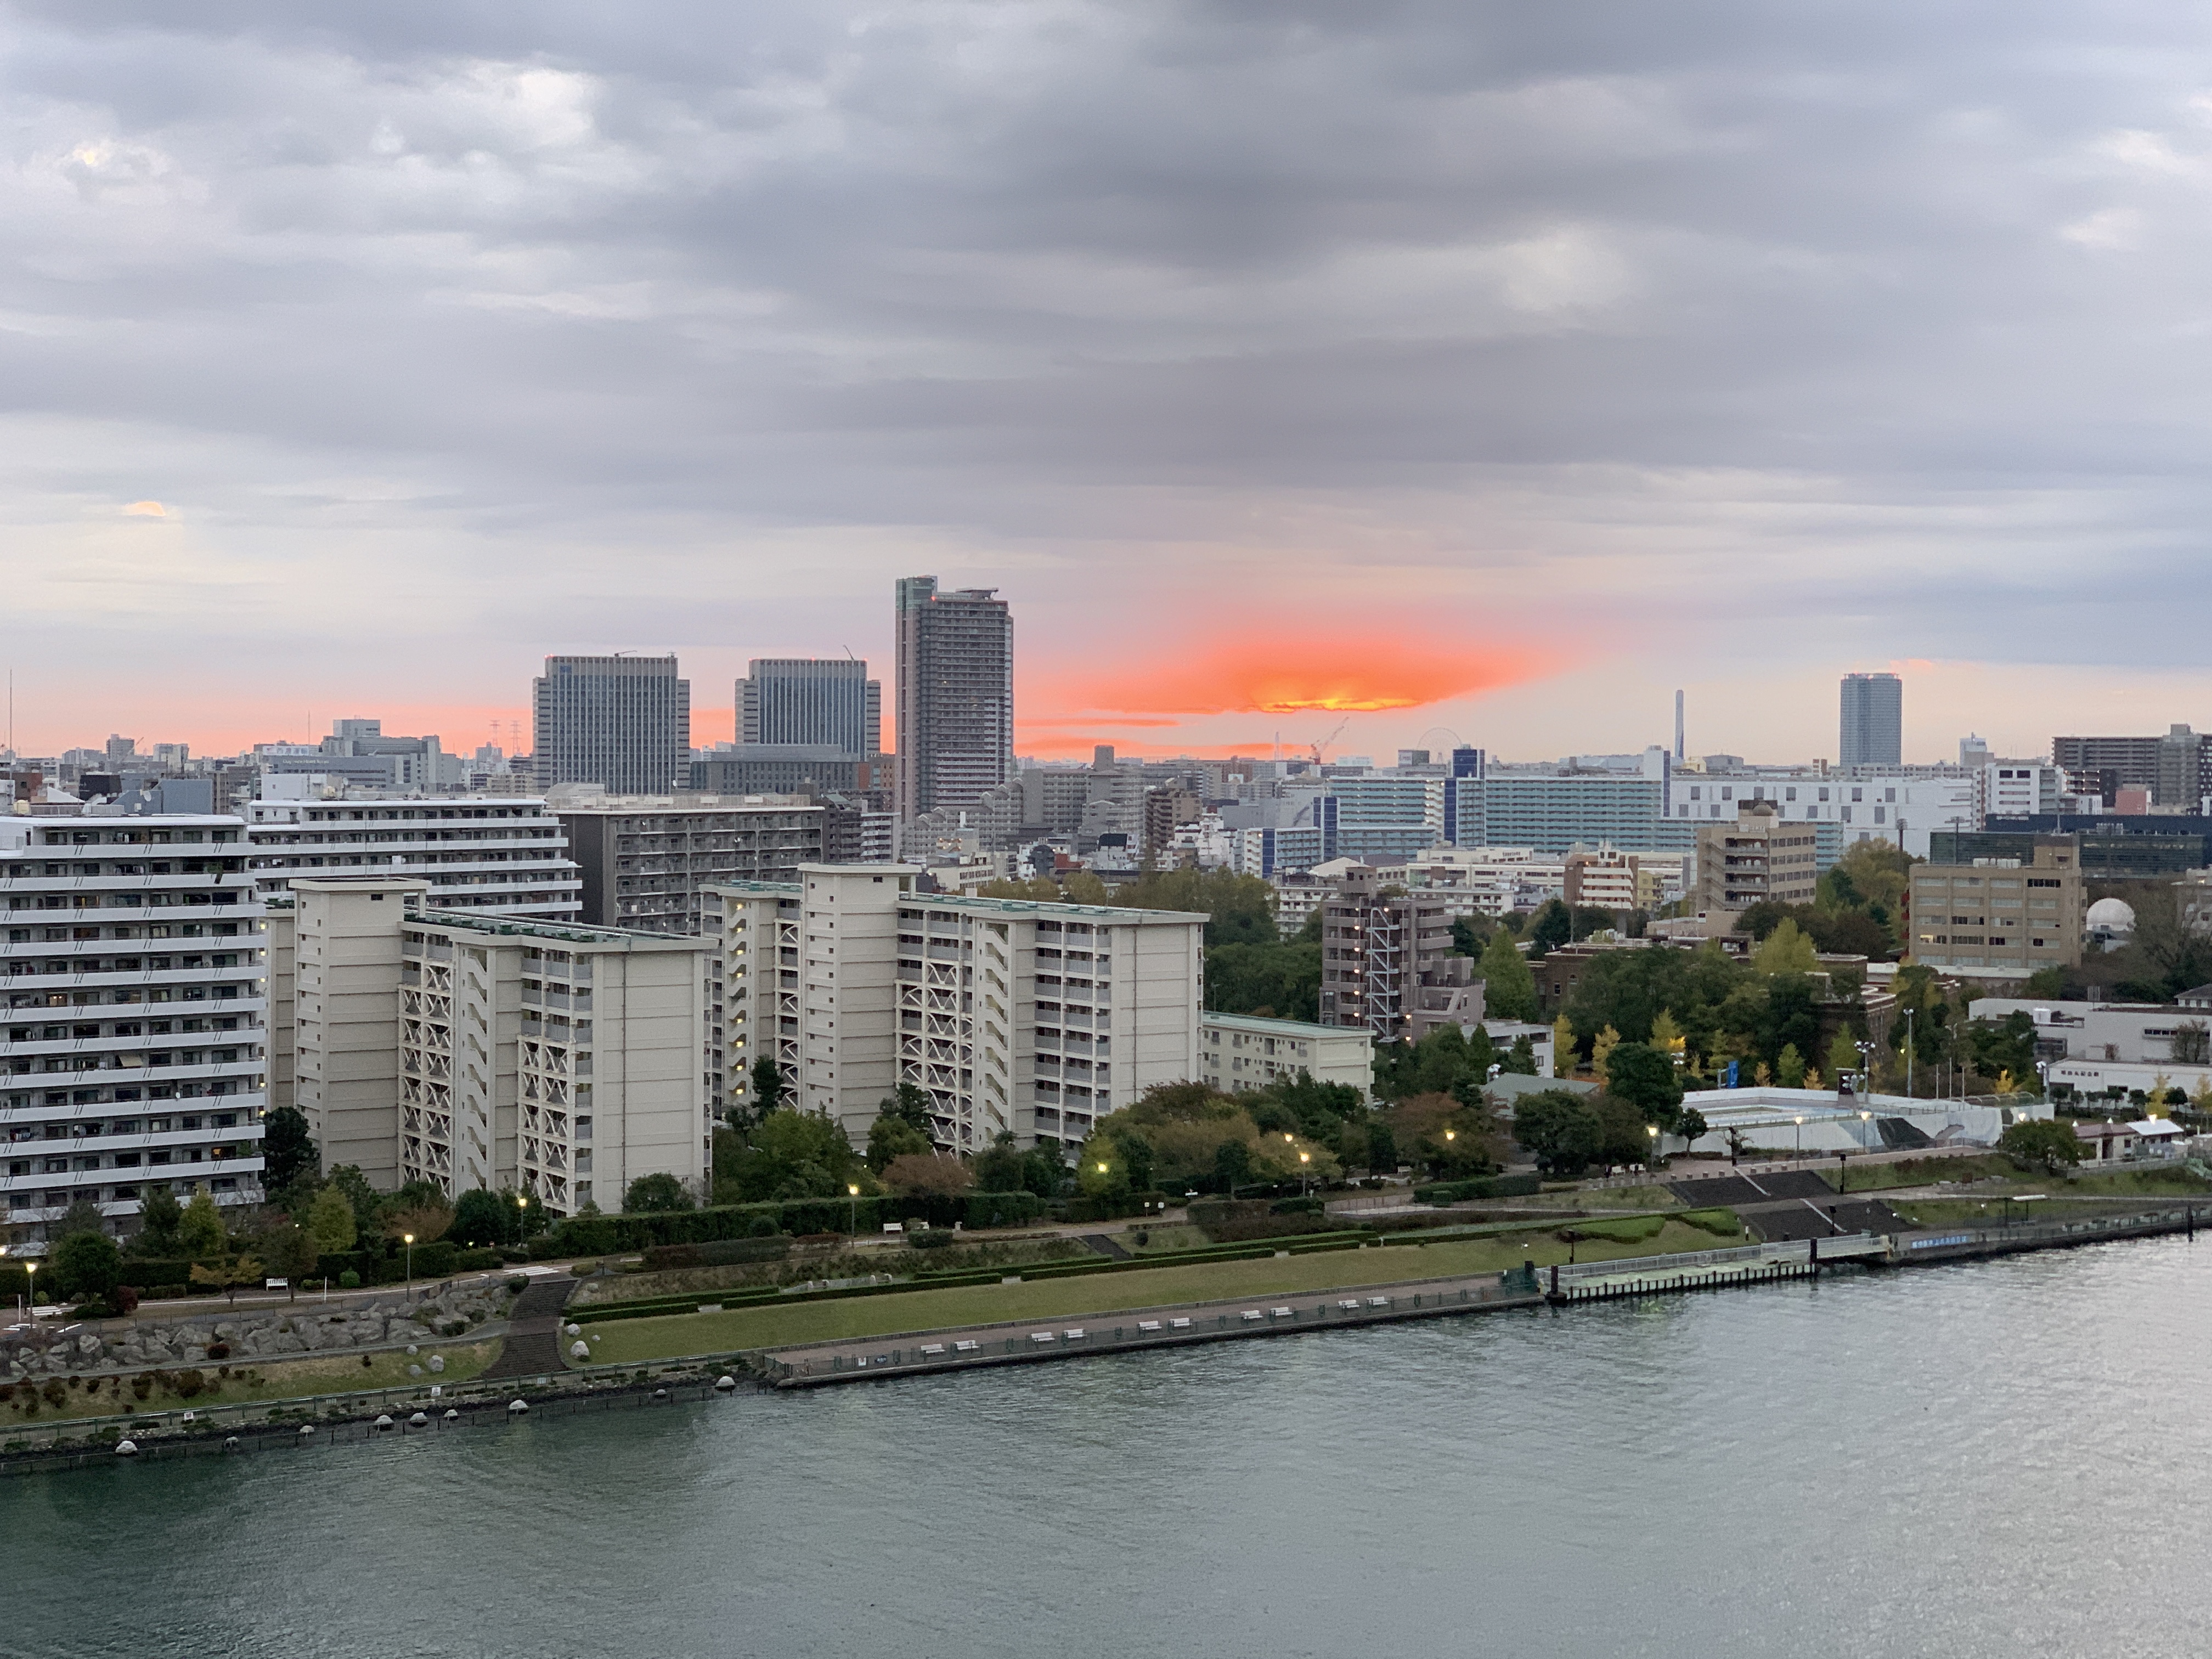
1651	1158
1304	1159
31	1269
1801	1137
853	1192
409	1240
1909	1045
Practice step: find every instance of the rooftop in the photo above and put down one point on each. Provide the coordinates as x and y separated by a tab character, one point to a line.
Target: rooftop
1290	1028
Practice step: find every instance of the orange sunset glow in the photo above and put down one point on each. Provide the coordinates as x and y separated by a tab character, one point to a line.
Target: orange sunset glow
1353	673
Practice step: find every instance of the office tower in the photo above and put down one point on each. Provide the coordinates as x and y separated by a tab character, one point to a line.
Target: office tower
829	702
956	695
496	858
623	722
1013	1016
2176	770
1872	720
131	1038
553	1060
1679	755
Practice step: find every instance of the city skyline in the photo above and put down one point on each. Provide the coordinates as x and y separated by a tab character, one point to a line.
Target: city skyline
526	335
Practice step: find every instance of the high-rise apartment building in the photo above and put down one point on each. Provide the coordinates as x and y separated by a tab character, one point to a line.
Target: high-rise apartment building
131	1043
2011	914
557	1060
508	857
1013	1016
2176	770
827	701
622	722
1387	964
956	695
1762	855
646	860
1872	720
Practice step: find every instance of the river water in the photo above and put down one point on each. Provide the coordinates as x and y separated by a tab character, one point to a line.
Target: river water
1996	1458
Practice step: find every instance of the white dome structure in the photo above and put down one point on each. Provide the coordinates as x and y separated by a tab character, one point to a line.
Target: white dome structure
2110	915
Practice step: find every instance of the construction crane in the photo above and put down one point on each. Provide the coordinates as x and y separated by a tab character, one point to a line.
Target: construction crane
1330	738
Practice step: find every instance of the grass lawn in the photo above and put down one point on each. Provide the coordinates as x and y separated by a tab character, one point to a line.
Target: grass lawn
252	1382
1620	1197
629	1341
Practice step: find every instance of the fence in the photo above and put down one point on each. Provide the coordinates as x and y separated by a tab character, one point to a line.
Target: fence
1012	1342
1847	1244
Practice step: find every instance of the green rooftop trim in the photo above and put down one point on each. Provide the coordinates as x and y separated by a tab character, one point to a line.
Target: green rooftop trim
1294	1028
561	931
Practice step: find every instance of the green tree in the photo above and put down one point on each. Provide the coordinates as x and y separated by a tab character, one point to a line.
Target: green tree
2042	1143
200	1233
480	1218
330	1218
1789	1068
660	1191
1509	988
1232	1165
1787	951
1843	1056
366	1202
1692	1125
1559	1130
1003	1167
1279	980
87	1264
1520	1059
909	1103
893	1137
290	1252
1646	1079
288	1149
159	1214
768	1088
1382	1149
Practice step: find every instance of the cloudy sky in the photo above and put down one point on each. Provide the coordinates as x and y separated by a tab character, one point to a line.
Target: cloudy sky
1512	364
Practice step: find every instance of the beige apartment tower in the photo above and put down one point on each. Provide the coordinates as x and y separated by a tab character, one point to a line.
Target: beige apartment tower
1761	856
555	1061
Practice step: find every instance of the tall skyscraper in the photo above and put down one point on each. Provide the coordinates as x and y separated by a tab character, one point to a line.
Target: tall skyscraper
625	722
1873	720
955	694
825	700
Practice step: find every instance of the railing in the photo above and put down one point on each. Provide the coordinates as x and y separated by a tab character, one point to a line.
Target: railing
1788	1251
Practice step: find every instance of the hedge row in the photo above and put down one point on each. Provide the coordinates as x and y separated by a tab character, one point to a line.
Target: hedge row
721	1252
658	1306
1458	1192
603	1235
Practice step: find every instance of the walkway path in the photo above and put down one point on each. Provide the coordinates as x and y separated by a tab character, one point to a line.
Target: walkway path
534	1332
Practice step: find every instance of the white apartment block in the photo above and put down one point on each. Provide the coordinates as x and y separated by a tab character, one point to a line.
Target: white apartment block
555	1061
2009	788
1015	1016
1238	1052
131	1043
505	857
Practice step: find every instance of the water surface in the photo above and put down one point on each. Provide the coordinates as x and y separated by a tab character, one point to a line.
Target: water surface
1990	1459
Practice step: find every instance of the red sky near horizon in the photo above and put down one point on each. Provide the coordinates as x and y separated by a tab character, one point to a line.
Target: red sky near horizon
1062	710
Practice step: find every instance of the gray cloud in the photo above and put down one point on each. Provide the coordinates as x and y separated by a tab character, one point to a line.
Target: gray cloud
1867	315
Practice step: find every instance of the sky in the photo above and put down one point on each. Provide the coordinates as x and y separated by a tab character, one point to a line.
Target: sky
1382	375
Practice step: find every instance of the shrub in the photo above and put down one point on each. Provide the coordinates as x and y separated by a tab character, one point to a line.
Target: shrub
142	1385
477	1261
127	1298
719	1253
95	1309
366	1362
218	1351
518	1281
7	1392
1722	1223
936	1238
349	1280
188	1384
1304	1205
55	1393
1458	1192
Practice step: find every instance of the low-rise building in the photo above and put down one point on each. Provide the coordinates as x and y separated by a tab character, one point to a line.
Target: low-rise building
557	1060
132	1037
1243	1051
2003	913
1014	1015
